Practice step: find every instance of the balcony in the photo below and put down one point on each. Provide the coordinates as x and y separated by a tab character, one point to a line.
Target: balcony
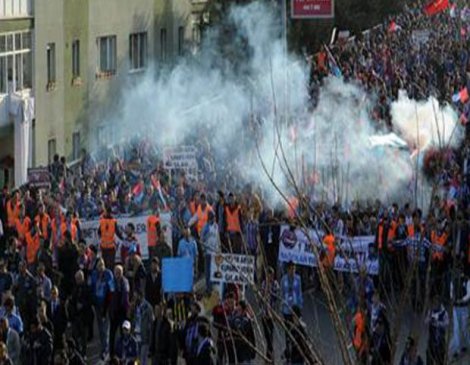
6	105
16	9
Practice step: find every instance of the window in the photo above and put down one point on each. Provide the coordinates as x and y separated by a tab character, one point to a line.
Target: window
16	8
138	51
51	149
50	50
76	58
163	44
196	34
76	145
107	54
15	62
180	40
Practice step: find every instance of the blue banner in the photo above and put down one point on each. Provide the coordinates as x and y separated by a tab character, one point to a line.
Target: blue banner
177	275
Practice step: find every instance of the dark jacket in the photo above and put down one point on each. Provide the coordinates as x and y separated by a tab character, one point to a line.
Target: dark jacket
39	348
153	289
244	336
164	343
59	319
80	304
204	353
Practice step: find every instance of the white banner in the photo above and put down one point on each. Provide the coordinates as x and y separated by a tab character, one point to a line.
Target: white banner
181	158
295	246
89	230
231	268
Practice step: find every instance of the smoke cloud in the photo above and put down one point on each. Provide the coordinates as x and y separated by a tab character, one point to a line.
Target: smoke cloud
216	96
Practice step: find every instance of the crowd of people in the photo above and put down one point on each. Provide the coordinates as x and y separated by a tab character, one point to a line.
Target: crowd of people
60	291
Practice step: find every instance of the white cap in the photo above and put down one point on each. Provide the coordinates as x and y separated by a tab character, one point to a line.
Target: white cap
126	325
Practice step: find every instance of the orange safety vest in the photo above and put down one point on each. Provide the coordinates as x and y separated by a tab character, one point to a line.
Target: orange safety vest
152	233
22	227
329	241
202	217
73	231
440	240
13	213
233	219
55	231
43	222
108	230
32	247
359	332
411	230
390	235
292	206
192	207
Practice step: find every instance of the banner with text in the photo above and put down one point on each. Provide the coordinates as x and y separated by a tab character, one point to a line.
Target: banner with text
39	177
89	230
181	158
312	9
231	268
297	247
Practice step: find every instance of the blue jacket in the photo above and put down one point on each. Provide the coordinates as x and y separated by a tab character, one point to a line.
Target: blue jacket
291	293
101	288
127	348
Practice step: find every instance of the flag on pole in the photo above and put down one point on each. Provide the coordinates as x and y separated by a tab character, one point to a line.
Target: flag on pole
435	7
393	26
334	67
453	11
462	96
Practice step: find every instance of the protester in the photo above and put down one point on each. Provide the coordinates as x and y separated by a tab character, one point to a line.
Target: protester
438	321
164	341
460	294
270	291
11	339
143	318
126	345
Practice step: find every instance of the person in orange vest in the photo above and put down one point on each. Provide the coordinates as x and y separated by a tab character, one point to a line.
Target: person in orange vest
22	225
201	216
68	225
233	225
153	232
76	222
56	232
292	207
330	253
360	332
439	236
13	210
33	243
418	254
44	221
108	230
384	240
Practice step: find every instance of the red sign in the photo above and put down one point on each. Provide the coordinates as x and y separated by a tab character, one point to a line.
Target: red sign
311	9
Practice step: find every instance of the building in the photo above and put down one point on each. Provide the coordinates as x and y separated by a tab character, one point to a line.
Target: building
68	60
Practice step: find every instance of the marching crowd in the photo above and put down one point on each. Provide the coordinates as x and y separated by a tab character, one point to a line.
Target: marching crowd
59	291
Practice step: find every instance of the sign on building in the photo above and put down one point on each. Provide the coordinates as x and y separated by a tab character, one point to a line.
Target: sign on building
39	177
231	268
312	9
181	158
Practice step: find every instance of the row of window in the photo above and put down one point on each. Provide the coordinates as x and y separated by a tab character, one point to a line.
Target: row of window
52	147
16	8
15	62
107	54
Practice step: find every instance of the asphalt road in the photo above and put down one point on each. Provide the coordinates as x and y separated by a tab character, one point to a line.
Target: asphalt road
320	329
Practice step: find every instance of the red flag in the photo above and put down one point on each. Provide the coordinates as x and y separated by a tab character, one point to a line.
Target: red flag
436	6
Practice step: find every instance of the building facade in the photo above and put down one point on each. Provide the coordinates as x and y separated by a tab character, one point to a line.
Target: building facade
73	58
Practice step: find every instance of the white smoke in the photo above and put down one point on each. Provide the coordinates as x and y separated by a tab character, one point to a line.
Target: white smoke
205	96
